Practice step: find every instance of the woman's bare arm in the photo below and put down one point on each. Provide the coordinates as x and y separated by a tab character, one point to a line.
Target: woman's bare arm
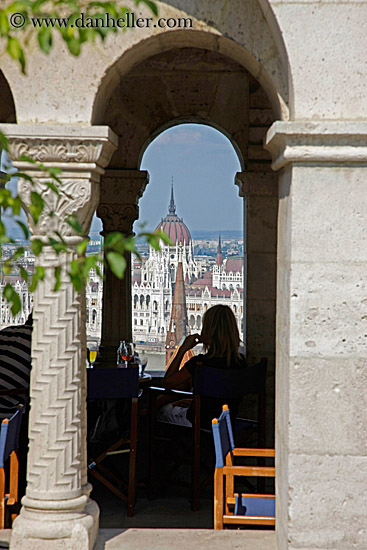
175	378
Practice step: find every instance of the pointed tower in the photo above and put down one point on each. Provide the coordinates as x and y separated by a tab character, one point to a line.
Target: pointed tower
172	206
219	260
178	326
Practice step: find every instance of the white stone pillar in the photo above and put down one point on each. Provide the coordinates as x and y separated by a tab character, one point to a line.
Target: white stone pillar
57	512
321	398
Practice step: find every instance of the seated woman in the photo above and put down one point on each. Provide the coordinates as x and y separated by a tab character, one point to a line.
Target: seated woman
221	340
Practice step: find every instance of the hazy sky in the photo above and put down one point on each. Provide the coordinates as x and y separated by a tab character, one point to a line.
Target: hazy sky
203	164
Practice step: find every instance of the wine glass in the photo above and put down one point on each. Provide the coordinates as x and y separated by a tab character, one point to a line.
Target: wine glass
129	351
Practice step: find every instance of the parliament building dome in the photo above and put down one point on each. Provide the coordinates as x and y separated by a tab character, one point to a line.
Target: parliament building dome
174	226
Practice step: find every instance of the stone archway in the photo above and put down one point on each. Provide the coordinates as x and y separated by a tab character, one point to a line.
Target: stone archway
85	152
190	84
7	106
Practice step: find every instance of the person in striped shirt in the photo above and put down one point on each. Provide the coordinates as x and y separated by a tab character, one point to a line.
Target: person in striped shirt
15	366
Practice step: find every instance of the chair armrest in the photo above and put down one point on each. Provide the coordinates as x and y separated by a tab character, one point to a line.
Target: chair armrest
250	471
238	451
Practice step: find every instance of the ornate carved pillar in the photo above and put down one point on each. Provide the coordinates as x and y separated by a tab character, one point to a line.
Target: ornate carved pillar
118	209
57	511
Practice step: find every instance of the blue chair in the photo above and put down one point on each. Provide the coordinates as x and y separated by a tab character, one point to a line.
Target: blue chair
229	507
9	443
115	384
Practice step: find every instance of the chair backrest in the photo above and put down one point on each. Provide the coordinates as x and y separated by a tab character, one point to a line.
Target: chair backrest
9	435
223	437
113	383
213	382
255	377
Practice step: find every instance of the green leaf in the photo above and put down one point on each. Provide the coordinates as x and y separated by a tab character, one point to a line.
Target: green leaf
45	39
14	49
12	297
36	206
73	45
52	186
58	246
37	246
4	143
153	240
18	253
23	274
57	273
7	267
82	247
130	243
24	228
75	224
76	278
153	7
38	275
26	158
15	204
4	24
115	241
117	264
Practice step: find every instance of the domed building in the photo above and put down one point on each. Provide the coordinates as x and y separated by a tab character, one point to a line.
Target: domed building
153	288
161	266
152	291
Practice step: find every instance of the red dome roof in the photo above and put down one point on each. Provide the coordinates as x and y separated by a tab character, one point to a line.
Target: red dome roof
174	226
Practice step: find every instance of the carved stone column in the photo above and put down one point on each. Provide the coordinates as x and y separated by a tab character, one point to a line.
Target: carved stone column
118	209
57	511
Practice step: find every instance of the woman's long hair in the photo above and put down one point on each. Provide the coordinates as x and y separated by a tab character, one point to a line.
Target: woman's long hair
220	334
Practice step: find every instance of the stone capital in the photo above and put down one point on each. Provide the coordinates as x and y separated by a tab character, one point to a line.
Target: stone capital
257	184
321	142
120	194
76	148
80	152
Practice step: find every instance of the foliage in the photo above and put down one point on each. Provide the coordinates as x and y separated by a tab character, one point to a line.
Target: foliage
116	245
69	10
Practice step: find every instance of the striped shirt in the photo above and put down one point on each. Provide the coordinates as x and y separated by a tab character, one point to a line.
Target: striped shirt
15	365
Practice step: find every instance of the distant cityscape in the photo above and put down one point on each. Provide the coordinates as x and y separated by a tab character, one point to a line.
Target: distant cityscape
212	266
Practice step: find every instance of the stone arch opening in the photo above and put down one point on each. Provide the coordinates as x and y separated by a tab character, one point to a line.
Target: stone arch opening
195	84
7	105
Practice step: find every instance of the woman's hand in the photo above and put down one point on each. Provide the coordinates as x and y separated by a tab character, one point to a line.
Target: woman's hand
191	341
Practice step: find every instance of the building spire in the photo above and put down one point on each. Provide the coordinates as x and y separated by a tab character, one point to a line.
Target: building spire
179	326
219	260
172	206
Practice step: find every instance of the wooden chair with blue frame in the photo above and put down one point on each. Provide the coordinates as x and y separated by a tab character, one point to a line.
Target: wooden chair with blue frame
116	383
229	507
9	443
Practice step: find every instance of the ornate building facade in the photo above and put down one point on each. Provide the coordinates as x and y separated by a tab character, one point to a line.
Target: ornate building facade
154	280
